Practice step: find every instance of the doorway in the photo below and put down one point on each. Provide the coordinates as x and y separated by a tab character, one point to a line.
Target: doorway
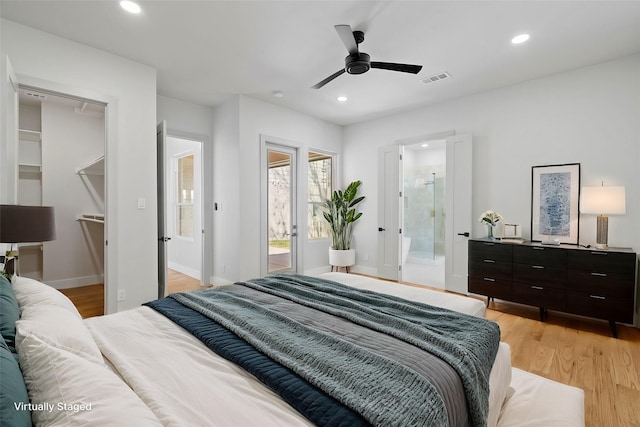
281	218
184	206
61	151
456	213
423	213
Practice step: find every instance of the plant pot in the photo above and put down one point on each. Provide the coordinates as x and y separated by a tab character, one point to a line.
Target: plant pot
342	258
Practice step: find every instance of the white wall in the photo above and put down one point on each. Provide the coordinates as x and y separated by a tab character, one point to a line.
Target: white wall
132	249
238	125
70	141
226	193
589	115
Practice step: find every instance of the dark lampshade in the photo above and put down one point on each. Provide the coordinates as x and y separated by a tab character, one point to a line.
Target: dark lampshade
20	224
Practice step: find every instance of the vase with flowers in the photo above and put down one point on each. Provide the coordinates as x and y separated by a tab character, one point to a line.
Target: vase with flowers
490	219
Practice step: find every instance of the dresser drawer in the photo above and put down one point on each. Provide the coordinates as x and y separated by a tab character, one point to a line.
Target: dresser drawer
479	250
490	286
600	306
490	267
540	275
540	296
606	284
603	261
540	255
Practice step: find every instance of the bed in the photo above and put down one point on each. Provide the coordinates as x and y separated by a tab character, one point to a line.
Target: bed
140	366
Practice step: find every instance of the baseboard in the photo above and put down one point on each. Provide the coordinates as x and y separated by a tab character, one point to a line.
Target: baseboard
367	271
191	272
75	282
316	271
219	281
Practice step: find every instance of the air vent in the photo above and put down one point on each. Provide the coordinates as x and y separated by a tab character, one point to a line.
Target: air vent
36	95
435	78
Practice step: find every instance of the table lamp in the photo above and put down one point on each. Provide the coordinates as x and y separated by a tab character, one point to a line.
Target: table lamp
603	201
23	224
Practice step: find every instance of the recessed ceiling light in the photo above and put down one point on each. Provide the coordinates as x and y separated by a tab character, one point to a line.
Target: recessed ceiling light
425	145
130	6
342	99
278	93
521	38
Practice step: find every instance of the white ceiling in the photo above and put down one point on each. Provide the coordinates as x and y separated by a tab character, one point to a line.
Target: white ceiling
206	50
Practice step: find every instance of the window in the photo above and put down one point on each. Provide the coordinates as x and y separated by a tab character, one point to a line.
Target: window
320	187
184	205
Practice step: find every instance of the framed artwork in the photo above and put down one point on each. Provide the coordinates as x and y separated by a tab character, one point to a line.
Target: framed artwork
555	203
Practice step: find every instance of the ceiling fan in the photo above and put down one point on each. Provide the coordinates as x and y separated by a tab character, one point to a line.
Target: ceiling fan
359	62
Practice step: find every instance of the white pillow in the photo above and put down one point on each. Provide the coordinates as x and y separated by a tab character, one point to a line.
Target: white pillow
59	328
77	392
31	292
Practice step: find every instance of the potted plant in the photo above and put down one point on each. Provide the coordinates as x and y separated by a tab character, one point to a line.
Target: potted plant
340	213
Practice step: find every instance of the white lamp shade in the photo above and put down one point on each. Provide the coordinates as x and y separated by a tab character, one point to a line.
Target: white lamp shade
603	201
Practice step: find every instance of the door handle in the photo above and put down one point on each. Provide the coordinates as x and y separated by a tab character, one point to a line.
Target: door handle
381	229
465	234
164	239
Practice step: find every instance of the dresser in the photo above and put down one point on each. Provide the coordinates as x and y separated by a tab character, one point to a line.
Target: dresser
585	281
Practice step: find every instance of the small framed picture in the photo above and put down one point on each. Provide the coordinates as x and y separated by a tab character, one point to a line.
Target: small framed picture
555	203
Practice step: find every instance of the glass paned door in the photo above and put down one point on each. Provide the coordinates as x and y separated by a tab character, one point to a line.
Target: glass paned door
281	204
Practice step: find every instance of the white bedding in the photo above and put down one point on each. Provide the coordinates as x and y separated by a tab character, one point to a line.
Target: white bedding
454	302
182	382
207	389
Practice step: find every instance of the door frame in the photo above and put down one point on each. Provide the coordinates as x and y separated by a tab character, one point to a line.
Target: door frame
110	172
267	142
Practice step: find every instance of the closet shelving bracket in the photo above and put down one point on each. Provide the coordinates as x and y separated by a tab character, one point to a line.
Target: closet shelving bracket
96	167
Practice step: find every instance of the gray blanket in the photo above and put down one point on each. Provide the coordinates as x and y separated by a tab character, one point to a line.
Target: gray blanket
385	379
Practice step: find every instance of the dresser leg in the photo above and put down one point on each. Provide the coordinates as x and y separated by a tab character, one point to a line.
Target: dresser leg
542	311
614	328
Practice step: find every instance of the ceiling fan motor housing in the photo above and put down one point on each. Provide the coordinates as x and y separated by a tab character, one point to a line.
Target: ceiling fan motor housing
357	64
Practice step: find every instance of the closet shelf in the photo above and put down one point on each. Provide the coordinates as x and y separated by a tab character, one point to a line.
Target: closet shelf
29	168
29	135
91	217
95	167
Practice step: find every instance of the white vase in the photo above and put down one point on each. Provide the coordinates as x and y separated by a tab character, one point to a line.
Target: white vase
342	258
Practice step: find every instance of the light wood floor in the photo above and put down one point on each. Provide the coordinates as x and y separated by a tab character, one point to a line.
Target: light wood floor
571	350
90	299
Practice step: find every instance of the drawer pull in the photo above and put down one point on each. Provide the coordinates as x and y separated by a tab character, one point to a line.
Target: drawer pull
596	297
488	279
489	261
537	287
599	274
599	253
488	244
536	248
538	267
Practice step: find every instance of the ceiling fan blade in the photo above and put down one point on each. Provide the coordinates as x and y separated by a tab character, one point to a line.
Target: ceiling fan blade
405	68
328	79
349	41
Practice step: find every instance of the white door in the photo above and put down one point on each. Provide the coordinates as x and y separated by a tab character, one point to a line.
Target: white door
389	197
280	183
458	212
162	208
